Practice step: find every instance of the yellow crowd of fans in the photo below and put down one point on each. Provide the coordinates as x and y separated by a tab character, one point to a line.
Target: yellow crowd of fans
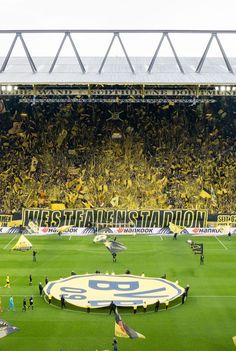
129	156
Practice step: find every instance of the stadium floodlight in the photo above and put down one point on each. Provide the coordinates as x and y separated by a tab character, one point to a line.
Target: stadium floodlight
217	88
15	87
3	88
9	88
222	88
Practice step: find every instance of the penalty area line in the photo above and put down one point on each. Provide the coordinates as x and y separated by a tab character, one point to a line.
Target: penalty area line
226	248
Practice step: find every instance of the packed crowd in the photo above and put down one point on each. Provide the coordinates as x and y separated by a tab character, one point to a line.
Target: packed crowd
128	156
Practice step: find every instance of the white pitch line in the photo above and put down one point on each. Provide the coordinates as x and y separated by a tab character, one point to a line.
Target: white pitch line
9	242
226	248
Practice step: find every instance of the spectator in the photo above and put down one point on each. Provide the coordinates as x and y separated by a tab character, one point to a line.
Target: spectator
167	155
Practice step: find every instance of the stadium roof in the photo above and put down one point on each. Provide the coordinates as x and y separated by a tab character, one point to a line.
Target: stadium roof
155	70
117	71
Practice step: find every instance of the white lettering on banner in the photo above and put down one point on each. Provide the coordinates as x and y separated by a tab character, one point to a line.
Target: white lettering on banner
210	231
120	92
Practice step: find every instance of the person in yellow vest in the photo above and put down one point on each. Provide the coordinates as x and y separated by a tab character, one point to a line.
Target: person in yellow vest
49	299
167	304
135	309
7	285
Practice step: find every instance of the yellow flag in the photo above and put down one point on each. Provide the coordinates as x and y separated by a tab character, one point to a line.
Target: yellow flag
115	201
205	194
105	188
175	228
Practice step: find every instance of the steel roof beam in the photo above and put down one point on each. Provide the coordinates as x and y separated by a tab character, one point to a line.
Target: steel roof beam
31	62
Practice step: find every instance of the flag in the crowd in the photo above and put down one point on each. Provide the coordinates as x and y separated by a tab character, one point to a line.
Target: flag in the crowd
33	166
234	340
16	128
213	196
2	107
205	194
175	228
123	331
6	328
115	201
114	246
62	135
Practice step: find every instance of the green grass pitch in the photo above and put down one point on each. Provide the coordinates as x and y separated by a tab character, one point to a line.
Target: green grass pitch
206	322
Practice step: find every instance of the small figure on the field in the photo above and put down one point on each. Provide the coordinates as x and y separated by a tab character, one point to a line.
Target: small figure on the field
21	229
112	307
11	306
31	303
157	305
115	344
135	308
63	302
7	285
40	289
167	304
73	273
143	275
186	290
92	228
114	256
202	259
229	235
24	304
49	299
34	255
127	271
183	298
97	272
144	306
163	276
175	236
46	280
88	306
30	279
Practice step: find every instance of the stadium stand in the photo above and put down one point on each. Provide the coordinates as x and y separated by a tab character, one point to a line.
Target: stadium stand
162	155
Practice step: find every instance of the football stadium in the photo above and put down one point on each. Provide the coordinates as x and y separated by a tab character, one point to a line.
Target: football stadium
117	197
